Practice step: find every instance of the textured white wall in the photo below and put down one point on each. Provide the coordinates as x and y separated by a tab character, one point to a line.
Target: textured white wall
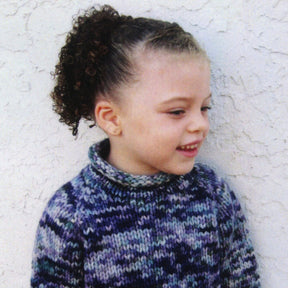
247	42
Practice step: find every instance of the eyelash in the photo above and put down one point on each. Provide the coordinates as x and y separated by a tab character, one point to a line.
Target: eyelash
177	112
180	112
206	108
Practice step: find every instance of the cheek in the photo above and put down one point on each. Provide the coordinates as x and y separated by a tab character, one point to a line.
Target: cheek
134	125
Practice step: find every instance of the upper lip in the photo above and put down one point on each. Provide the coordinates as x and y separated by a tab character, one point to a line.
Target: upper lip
191	145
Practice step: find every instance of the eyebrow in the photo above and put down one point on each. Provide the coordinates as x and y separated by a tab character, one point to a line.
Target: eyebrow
180	98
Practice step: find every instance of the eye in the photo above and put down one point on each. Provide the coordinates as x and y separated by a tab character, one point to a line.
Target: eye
177	112
206	108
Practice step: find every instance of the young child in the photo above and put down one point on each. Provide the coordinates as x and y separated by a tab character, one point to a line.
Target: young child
141	214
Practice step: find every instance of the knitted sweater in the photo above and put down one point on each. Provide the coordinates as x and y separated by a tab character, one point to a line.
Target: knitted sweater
107	228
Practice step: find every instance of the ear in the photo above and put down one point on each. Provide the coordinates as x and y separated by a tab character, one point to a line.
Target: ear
107	117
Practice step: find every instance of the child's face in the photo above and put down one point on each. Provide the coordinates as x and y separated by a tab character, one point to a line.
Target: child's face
164	114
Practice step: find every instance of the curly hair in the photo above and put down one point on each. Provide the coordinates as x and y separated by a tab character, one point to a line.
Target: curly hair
96	58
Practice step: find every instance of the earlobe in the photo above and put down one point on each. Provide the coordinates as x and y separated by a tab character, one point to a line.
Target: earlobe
107	117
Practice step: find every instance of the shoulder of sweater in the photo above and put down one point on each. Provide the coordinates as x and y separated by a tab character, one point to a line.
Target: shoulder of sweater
203	173
64	202
214	184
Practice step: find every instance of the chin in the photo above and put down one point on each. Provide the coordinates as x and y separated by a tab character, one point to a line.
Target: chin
179	173
182	170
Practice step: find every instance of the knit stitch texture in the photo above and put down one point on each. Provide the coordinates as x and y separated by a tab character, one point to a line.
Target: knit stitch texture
107	228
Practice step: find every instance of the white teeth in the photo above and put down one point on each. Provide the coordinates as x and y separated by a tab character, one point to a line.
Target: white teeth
188	147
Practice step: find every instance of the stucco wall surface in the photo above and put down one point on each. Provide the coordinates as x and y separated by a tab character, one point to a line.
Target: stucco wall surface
247	43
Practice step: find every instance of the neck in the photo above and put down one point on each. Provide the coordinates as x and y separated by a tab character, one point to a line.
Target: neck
120	159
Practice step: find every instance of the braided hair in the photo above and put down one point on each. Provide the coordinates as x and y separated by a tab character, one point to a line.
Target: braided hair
97	58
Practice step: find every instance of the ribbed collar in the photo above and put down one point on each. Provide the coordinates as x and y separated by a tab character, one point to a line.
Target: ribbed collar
99	151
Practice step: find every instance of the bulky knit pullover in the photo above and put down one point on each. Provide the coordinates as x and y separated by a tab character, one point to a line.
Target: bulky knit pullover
107	228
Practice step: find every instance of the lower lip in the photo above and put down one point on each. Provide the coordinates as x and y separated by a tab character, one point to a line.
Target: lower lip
188	153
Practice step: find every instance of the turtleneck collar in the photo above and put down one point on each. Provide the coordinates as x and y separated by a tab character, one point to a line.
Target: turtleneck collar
99	152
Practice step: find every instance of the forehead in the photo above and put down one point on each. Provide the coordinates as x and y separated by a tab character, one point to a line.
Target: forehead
161	62
177	68
161	75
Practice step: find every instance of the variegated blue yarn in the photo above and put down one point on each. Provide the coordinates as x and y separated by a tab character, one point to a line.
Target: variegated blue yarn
107	228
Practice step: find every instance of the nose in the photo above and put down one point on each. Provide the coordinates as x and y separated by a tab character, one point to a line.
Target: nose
198	122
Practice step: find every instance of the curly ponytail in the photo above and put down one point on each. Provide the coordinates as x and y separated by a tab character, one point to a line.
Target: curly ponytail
96	58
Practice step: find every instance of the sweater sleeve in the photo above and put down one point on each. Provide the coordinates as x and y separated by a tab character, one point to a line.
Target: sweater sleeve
57	256
239	267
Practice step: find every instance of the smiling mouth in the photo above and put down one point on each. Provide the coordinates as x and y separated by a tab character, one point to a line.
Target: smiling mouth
187	147
189	150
